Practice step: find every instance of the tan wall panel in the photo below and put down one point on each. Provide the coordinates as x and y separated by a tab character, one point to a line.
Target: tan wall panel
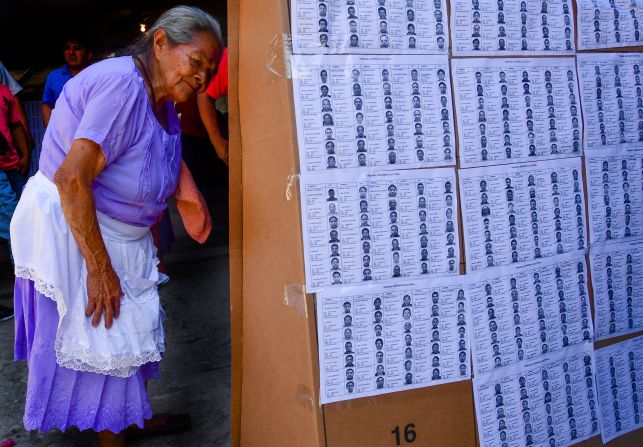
236	222
278	401
279	404
442	416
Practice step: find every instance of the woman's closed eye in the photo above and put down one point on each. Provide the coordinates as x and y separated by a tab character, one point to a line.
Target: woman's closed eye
195	63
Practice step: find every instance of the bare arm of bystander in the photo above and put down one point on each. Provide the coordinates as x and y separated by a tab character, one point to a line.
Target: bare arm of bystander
208	113
23	121
21	140
46	113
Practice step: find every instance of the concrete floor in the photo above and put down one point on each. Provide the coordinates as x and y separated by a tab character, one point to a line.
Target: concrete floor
195	374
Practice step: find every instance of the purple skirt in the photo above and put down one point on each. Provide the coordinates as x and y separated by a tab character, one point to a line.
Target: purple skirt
60	398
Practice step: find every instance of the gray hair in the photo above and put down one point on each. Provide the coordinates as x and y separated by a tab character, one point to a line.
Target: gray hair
180	23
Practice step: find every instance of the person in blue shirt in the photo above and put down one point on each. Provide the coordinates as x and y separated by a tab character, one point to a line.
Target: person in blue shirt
77	56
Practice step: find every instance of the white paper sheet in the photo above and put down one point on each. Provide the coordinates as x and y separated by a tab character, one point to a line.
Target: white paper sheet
612	102
520	312
379	339
389	225
361	111
512	110
615	192
369	26
548	401
524	211
608	23
618	288
511	27
619	373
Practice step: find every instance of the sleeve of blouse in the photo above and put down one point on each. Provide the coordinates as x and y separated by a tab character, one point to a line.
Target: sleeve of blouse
113	111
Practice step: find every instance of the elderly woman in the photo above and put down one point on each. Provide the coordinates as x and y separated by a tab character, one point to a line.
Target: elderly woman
88	317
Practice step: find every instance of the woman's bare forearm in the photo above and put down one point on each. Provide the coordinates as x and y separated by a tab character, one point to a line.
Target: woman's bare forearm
74	182
74	179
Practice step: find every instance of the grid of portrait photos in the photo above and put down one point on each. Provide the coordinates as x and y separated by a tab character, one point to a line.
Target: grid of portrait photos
608	23
511	27
517	110
619	382
551	401
617	288
614	211
613	98
539	206
376	226
426	274
373	111
370	26
516	315
378	339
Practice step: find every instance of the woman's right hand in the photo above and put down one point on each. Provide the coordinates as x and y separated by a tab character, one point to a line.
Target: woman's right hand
103	295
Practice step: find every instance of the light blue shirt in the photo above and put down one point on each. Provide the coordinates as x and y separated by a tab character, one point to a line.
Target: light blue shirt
9	81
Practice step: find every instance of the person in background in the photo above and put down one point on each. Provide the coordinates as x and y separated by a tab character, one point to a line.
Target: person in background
9	81
14	164
8	196
202	127
77	58
14	142
218	88
209	173
209	167
8	202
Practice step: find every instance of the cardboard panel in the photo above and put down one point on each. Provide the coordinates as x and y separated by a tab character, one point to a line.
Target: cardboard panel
279	404
236	222
440	416
279	398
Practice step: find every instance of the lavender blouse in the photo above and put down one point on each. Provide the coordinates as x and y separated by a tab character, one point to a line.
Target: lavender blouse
108	104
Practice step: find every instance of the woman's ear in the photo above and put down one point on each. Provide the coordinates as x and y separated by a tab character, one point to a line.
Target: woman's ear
160	42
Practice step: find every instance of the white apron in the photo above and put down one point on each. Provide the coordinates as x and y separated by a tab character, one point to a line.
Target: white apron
45	251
